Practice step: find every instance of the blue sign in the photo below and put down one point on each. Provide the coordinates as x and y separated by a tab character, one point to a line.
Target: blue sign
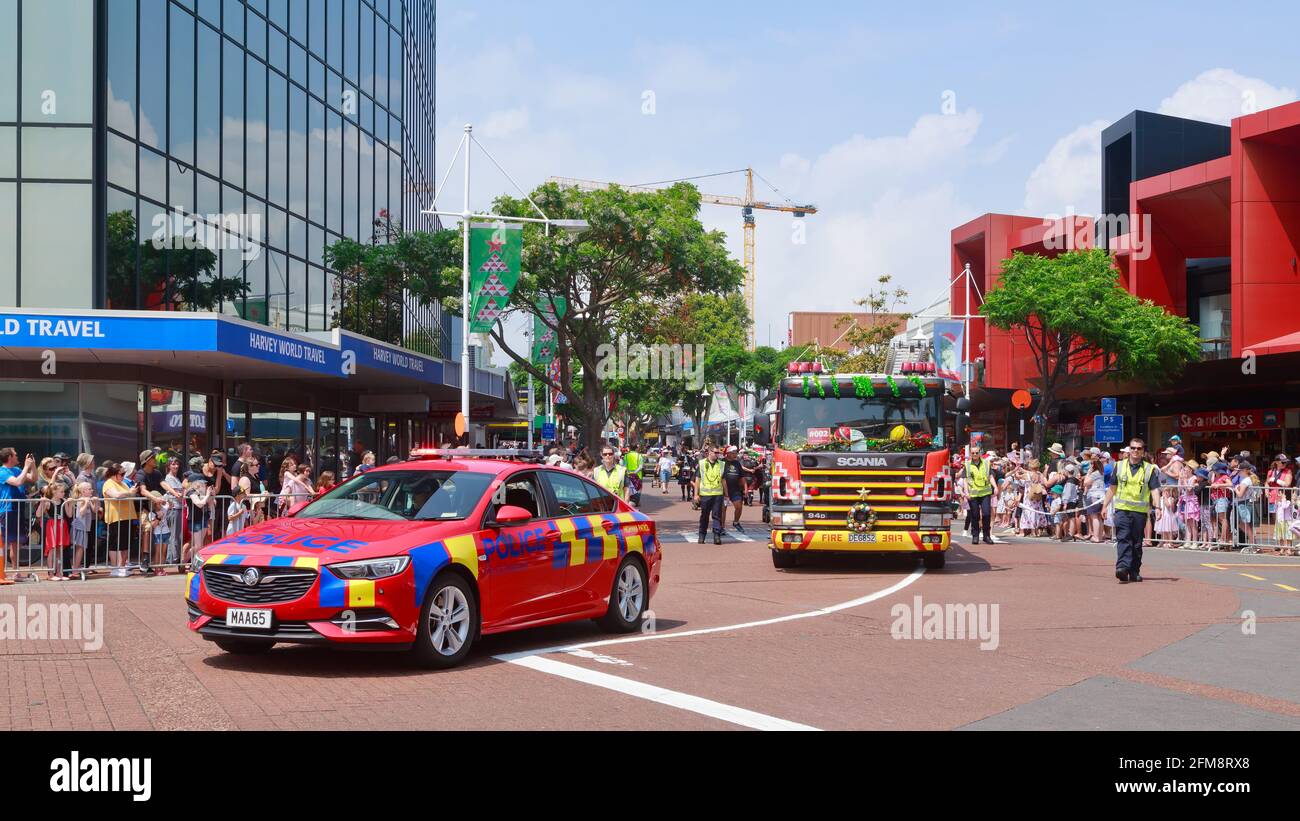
1108	428
1109	406
548	430
96	330
393	360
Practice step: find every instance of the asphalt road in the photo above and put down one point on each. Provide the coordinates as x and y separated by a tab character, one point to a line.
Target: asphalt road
737	644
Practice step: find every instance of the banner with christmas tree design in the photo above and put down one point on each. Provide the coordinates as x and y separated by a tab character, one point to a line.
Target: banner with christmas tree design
544	339
494	252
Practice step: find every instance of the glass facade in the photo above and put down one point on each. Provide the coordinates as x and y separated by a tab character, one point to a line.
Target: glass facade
47	96
237	139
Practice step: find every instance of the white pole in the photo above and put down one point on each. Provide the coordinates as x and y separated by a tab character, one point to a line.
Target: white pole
464	295
531	414
966	282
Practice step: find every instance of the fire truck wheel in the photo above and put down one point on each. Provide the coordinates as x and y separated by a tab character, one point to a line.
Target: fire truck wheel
783	559
935	561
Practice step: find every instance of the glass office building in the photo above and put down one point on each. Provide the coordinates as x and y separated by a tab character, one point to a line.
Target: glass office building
196	157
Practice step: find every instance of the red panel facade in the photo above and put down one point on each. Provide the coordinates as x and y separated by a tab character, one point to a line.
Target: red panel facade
1245	206
1265	225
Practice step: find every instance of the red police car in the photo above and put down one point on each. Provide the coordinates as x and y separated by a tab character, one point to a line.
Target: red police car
430	554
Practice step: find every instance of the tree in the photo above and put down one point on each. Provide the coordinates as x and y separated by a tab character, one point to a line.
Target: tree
1082	326
379	276
640	247
171	276
867	348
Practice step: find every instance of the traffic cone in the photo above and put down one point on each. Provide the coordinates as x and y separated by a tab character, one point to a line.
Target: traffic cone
3	578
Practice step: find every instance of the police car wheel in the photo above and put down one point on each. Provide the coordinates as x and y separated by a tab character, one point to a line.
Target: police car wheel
628	599
934	561
784	559
244	648
448	623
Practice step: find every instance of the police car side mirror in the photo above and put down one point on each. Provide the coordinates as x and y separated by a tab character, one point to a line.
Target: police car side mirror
510	515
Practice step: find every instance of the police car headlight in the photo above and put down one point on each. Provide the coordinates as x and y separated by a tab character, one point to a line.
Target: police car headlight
371	568
196	563
932	520
788	519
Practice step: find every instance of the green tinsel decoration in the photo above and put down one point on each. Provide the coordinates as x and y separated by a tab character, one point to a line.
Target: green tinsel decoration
863	388
835	387
920	386
821	389
893	387
807	387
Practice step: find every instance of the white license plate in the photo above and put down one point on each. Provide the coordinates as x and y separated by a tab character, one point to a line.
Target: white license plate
862	537
248	619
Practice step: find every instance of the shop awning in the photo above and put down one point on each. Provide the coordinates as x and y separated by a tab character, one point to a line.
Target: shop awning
211	345
1282	344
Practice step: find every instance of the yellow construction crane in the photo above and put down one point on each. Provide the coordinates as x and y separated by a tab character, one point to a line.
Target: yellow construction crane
747	204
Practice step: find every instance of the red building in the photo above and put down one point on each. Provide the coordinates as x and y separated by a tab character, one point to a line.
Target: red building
1212	232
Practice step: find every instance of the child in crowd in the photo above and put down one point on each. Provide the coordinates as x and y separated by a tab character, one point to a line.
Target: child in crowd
240	511
85	510
1167	526
1055	508
162	534
201	503
1189	508
55	511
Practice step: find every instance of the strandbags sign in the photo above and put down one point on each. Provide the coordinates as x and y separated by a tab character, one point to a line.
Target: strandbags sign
1230	420
494	252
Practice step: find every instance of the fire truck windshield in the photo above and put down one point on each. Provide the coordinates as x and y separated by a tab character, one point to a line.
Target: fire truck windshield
812	421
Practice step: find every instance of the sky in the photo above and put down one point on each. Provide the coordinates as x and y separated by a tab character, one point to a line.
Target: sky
898	121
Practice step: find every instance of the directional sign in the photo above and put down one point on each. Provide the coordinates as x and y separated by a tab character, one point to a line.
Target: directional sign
1109	428
548	430
1109	406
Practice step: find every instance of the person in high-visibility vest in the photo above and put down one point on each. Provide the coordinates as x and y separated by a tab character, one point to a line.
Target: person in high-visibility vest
1134	487
708	489
979	489
609	474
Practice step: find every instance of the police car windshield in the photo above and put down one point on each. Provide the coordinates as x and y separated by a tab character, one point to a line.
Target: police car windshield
397	495
813	420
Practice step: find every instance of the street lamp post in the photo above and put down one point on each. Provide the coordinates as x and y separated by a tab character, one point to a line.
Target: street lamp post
573	227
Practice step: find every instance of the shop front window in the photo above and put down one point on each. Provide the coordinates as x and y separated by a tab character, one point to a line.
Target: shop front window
112	420
39	418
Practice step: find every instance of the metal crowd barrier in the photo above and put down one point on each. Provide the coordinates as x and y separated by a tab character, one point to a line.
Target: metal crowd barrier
1259	519
42	539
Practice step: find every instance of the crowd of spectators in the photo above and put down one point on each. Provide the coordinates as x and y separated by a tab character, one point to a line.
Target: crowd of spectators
72	517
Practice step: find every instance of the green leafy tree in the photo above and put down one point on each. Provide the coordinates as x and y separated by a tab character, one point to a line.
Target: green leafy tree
170	275
377	278
1083	326
865	349
641	247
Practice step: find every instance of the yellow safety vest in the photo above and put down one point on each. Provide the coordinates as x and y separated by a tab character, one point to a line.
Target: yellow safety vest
710	478
614	481
632	461
977	479
1131	492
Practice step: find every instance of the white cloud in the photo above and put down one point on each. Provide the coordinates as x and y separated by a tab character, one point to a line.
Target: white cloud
502	124
1221	94
1070	175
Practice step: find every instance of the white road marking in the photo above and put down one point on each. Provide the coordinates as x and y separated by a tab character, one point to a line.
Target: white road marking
599	657
659	695
533	660
690	537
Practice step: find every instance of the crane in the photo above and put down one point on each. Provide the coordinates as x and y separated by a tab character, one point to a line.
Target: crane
747	204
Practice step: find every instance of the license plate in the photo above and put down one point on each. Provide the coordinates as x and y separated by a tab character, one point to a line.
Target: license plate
248	619
862	537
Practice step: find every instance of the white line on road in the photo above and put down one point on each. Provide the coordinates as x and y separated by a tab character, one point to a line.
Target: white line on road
649	692
736	715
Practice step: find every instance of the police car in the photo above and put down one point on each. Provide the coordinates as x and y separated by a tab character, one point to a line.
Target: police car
429	555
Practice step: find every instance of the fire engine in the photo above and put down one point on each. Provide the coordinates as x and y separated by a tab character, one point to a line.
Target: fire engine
862	465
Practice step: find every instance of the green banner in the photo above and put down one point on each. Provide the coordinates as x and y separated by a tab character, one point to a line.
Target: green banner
494	252
544	340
